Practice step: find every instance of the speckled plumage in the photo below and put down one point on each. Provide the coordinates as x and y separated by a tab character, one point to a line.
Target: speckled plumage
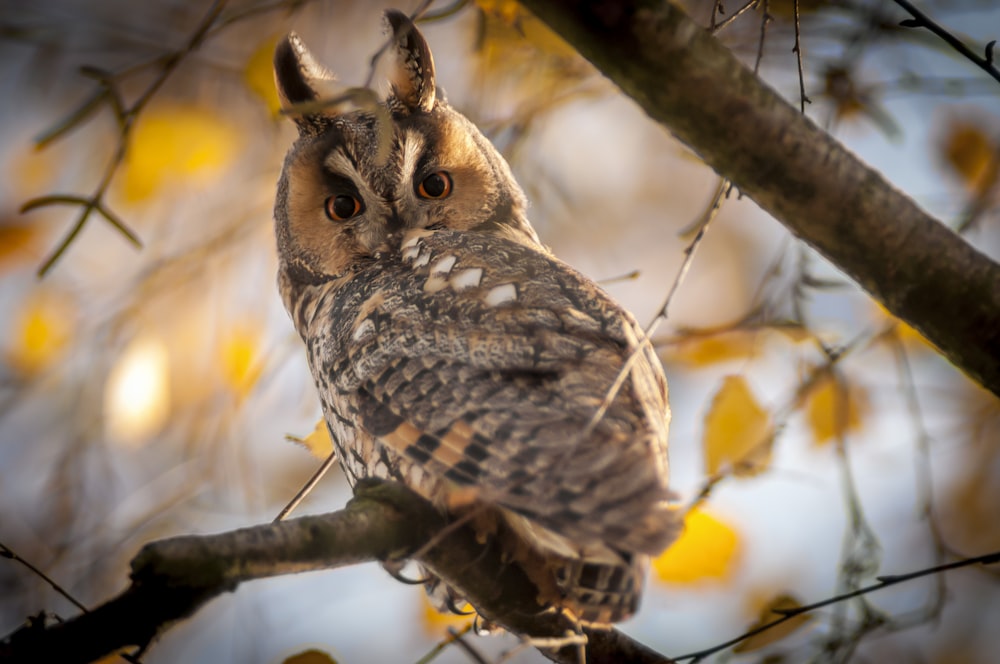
453	353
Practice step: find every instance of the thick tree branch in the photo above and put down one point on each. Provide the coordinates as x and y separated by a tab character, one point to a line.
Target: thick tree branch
173	578
690	83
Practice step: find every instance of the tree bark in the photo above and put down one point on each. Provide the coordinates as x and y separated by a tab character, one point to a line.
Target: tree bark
686	80
171	579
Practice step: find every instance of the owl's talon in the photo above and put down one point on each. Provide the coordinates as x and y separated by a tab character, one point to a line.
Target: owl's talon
399	576
450	602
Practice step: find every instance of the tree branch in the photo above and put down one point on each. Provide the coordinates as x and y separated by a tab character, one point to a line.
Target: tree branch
171	579
690	83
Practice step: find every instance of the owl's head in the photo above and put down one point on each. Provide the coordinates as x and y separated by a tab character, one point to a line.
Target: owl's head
356	180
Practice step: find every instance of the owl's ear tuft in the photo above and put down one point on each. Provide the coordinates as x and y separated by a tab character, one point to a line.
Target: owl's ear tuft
412	74
299	77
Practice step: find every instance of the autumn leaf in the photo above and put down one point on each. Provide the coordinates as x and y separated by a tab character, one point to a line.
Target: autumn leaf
706	550
176	143
240	360
834	408
42	329
971	154
318	442
739	433
18	243
706	350
258	75
769	613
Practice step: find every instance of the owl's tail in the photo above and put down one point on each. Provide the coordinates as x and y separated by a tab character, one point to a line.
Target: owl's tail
601	593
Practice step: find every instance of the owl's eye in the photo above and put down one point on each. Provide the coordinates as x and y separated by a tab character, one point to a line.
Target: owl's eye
435	185
342	207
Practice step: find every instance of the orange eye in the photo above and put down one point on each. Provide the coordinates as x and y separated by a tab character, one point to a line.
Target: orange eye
435	185
342	207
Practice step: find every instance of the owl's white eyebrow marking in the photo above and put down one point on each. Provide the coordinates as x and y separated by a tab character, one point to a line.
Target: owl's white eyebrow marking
412	145
500	294
469	278
444	265
338	162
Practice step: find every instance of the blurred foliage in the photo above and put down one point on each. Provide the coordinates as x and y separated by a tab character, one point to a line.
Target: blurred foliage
177	144
738	431
834	409
707	550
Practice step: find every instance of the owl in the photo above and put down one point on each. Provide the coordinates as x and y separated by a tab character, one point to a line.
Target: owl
452	352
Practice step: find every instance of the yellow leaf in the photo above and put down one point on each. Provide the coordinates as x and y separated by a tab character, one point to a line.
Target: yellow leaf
318	442
240	360
436	623
311	656
515	44
972	155
258	75
42	330
738	431
706	350
774	634
176	144
706	550
834	409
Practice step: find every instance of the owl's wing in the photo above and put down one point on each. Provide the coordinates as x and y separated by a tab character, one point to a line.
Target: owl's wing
485	364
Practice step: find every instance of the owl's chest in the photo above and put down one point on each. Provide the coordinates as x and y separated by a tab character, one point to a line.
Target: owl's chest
332	353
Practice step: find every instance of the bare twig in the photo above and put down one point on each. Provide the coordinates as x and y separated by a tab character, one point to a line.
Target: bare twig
922	20
706	219
797	49
7	552
307	487
716	28
127	118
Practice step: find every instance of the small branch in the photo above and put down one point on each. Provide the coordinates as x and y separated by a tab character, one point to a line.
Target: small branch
694	86
7	552
797	49
171	579
883	582
921	20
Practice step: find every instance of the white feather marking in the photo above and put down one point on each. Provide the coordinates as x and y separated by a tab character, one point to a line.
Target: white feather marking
338	162
422	259
413	147
444	265
411	252
468	278
500	294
